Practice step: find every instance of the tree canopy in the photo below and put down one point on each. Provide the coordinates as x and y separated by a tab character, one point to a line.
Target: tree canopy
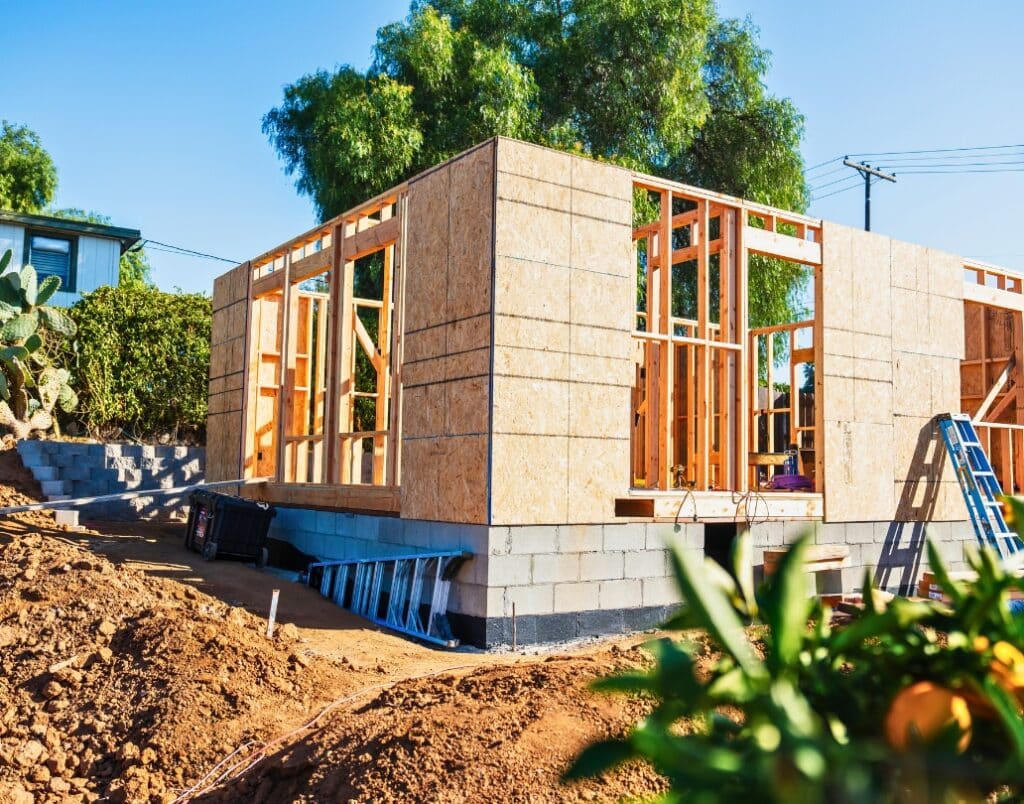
28	177
663	86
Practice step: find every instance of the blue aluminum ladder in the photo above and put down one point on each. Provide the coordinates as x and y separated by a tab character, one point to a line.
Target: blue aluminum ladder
979	485
407	593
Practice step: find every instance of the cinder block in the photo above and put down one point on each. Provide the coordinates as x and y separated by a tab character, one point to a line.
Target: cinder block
685	535
556	567
962	532
473	539
647	564
625	536
533	599
660	591
580	538
42	473
499	541
795	528
81	471
858	533
602	566
624	594
53	487
576	596
31	447
768	534
468	598
66	517
509	570
533	539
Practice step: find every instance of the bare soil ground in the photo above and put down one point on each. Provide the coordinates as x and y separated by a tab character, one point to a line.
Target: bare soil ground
132	670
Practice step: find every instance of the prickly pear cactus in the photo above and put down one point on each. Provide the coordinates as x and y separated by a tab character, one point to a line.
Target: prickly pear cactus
30	388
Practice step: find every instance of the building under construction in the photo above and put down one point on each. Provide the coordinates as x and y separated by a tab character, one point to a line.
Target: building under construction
548	362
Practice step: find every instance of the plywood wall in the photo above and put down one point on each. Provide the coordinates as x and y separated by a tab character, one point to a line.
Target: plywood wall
564	294
224	424
892	338
447	354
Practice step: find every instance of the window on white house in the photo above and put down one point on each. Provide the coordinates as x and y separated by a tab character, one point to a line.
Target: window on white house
53	256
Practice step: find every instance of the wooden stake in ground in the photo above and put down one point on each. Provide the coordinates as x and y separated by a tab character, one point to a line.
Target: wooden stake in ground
273	613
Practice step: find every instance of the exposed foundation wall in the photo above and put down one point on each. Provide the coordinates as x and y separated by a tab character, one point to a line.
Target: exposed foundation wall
225	421
569	581
447	356
893	338
564	294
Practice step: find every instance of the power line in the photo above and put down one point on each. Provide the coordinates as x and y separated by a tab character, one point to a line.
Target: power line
977	170
938	150
955	158
822	164
952	164
172	249
817	187
826	174
856	185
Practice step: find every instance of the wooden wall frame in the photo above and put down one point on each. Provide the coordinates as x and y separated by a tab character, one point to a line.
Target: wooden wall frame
308	339
694	416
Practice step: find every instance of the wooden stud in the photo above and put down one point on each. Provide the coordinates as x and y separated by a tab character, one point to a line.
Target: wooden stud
667	362
703	363
285	365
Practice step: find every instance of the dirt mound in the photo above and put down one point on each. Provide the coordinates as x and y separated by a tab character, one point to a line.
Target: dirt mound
120	683
502	733
125	686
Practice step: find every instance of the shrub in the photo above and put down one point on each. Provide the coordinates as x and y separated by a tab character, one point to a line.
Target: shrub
141	361
910	700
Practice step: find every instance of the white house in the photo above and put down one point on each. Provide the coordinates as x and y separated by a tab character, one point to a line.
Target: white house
84	255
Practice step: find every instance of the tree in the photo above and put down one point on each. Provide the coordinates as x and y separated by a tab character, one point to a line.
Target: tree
663	86
134	268
28	178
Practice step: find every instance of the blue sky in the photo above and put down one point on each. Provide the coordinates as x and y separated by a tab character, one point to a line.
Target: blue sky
152	110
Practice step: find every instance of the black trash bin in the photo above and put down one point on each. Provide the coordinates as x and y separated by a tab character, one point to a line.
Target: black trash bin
222	526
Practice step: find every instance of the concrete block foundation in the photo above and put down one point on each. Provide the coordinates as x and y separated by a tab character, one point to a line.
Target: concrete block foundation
563	582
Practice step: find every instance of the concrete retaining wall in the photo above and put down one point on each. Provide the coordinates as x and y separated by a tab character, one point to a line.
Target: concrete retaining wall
568	581
69	470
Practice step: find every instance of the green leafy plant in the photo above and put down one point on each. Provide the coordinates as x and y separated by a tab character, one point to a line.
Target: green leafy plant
30	386
908	700
142	359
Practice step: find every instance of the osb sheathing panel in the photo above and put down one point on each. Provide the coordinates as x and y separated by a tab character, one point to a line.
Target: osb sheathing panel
563	317
227	347
598	468
530	479
470	254
447	351
451	490
928	343
857	410
892	340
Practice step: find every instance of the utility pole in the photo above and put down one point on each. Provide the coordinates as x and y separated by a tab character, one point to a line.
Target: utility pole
867	172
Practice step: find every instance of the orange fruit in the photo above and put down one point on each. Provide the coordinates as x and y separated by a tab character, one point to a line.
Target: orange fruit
1008	666
921	711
